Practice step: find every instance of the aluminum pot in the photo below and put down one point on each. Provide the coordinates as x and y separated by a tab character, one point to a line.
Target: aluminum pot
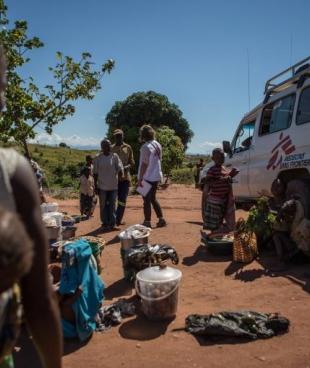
127	243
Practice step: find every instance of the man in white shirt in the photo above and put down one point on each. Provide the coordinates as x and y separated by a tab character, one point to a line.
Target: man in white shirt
150	171
107	168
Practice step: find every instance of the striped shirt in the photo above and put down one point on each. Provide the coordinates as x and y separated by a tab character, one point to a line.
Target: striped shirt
218	188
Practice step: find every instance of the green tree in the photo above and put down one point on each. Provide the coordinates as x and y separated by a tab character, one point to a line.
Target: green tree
147	108
173	150
29	107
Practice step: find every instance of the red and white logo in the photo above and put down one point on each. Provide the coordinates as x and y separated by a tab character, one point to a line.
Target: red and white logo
283	148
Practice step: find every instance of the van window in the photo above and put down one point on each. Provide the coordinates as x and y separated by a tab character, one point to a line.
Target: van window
277	115
244	137
303	111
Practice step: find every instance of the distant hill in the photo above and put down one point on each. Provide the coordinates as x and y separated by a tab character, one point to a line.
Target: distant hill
50	157
62	165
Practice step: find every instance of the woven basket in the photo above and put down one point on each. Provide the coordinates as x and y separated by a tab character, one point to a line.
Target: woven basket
245	244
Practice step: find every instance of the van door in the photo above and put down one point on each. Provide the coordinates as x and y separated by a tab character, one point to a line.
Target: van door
273	142
240	158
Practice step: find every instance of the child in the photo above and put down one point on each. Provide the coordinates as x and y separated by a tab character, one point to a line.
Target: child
88	198
219	202
16	255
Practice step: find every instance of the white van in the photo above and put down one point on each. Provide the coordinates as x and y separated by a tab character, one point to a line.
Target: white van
273	140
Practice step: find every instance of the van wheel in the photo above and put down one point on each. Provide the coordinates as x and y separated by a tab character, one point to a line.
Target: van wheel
300	189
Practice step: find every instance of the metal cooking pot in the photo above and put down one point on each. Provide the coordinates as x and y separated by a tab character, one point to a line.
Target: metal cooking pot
127	243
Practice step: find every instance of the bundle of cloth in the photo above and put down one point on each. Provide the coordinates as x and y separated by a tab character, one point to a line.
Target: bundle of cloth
140	257
151	255
113	314
80	290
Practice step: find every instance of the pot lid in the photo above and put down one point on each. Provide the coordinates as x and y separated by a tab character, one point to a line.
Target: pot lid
159	274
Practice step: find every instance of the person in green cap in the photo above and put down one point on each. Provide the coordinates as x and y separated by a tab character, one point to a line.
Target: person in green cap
124	152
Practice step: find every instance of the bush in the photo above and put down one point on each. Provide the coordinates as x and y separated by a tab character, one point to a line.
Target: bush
182	176
173	149
74	170
67	182
64	193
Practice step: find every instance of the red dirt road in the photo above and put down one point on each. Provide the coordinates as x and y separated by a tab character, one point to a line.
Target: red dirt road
209	284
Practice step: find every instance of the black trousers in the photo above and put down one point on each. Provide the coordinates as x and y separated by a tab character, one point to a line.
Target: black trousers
123	191
150	200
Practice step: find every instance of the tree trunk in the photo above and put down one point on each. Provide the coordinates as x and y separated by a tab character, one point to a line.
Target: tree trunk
26	149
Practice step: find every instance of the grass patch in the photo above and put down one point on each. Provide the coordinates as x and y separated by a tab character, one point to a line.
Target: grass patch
183	176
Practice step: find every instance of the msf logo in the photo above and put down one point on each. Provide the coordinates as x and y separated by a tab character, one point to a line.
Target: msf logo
283	148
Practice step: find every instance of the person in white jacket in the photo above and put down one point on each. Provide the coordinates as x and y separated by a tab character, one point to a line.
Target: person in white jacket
150	172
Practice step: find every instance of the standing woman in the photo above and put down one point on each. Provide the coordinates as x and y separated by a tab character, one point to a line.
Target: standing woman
19	195
150	171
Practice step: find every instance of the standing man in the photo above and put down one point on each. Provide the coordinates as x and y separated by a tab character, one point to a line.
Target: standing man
150	171
124	152
107	168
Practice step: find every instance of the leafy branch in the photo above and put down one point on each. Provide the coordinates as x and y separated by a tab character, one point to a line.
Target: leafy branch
27	106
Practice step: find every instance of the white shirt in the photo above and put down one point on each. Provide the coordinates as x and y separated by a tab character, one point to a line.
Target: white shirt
87	185
151	154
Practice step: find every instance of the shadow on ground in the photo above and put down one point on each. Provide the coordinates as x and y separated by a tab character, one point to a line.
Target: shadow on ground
142	329
297	273
202	254
221	340
118	289
72	345
100	231
198	223
115	240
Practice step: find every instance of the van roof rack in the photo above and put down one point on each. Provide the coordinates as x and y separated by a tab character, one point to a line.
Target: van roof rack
300	68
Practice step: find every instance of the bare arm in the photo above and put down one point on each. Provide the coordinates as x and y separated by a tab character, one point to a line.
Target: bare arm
95	171
119	165
144	160
131	161
143	169
39	300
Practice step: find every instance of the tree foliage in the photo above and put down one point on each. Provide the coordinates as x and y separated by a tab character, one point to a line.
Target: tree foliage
147	108
29	107
173	149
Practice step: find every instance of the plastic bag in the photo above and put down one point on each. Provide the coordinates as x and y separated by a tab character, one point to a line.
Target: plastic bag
248	324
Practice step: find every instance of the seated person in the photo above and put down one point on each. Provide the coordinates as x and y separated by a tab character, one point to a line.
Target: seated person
80	292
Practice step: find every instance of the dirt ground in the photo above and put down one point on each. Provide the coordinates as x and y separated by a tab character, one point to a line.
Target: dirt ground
209	284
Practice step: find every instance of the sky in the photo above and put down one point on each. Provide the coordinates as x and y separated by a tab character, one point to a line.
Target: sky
195	52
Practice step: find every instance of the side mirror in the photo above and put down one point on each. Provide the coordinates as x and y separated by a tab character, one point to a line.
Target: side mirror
227	148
